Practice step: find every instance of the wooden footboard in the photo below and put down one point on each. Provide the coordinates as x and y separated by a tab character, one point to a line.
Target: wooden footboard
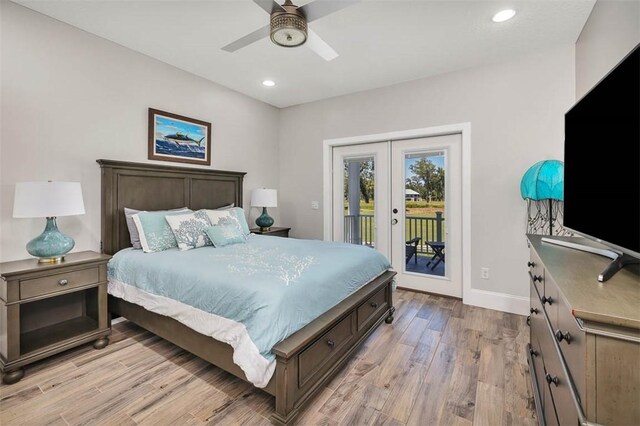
305	361
309	358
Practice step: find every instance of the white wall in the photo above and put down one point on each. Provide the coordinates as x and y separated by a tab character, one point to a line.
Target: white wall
69	98
612	30
516	110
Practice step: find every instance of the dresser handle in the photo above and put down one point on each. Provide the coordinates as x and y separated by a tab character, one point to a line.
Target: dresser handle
560	336
531	264
374	305
546	299
331	343
552	379
528	319
537	278
533	353
533	310
63	282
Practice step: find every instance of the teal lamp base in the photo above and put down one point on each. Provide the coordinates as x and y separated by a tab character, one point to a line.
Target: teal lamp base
51	245
264	221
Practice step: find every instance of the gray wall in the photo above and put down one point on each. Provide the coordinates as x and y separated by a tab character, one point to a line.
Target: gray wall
612	30
516	111
69	97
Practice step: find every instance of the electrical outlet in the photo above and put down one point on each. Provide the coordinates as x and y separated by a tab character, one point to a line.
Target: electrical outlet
484	273
315	205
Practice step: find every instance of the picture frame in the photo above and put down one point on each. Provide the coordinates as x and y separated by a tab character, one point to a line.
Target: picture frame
179	139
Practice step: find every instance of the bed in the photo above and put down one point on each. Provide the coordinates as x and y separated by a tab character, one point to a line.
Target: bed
302	362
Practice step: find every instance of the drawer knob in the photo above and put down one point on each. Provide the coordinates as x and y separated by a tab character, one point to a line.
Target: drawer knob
537	278
533	310
374	305
63	282
331	343
534	352
531	264
560	336
552	379
546	299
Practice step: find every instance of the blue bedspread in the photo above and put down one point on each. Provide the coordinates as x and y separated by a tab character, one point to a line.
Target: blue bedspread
273	286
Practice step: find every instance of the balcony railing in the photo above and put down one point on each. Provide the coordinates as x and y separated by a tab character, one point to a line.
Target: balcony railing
360	229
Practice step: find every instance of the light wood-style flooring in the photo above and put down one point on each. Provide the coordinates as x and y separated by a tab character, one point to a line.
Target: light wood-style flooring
440	362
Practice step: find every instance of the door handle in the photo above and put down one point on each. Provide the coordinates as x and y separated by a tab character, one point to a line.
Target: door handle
394	221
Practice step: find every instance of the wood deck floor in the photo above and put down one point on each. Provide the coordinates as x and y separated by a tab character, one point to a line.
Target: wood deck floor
440	362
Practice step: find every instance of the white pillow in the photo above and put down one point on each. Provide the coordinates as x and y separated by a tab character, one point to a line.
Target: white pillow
215	215
189	229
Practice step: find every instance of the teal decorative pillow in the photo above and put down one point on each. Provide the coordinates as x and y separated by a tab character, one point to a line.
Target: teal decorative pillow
131	226
227	231
155	233
189	229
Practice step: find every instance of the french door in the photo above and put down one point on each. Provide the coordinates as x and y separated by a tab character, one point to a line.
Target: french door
404	199
361	202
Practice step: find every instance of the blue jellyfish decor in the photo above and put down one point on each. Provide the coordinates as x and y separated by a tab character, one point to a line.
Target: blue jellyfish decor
543	188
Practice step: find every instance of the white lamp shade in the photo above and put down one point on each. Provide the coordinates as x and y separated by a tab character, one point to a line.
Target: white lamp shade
264	198
48	199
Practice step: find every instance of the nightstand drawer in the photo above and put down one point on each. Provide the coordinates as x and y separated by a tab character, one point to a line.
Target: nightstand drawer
58	282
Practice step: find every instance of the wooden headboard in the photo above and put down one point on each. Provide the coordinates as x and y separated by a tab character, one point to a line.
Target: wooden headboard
145	186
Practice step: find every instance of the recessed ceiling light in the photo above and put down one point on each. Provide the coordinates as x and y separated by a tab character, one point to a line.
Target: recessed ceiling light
269	83
503	15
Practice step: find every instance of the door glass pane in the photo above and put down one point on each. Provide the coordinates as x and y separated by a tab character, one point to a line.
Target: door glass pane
359	184
425	212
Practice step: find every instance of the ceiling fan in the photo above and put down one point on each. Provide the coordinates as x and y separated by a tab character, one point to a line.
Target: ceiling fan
288	25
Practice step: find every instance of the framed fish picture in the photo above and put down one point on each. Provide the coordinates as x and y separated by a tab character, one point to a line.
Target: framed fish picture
177	138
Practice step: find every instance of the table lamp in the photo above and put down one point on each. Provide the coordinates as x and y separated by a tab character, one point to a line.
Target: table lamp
49	200
264	198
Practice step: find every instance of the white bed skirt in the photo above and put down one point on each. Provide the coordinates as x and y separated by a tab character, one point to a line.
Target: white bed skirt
245	353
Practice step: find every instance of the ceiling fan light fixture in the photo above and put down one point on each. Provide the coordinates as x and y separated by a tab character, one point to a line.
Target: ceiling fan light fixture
288	27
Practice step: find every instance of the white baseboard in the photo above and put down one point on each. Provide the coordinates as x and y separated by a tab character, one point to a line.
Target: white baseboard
117	320
497	301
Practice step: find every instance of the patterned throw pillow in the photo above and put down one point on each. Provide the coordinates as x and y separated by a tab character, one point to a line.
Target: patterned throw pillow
237	212
227	231
189	229
155	233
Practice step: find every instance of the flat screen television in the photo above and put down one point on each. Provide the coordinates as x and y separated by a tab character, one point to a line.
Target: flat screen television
602	160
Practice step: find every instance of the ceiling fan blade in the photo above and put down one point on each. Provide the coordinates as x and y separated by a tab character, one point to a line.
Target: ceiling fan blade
268	5
319	46
319	8
258	34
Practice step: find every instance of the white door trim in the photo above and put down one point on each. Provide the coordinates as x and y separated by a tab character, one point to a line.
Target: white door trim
464	129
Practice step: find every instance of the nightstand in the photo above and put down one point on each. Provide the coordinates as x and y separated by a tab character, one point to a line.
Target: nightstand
274	231
48	308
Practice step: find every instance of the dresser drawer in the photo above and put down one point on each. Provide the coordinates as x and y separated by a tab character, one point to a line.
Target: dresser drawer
550	300
536	271
573	346
372	308
316	357
559	387
58	282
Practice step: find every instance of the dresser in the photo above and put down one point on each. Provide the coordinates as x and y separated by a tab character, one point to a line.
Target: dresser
47	308
584	351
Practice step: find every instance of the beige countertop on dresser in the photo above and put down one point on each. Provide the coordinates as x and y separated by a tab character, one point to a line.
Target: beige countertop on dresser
614	302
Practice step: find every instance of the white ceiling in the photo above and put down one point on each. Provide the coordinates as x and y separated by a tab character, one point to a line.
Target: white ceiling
380	42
